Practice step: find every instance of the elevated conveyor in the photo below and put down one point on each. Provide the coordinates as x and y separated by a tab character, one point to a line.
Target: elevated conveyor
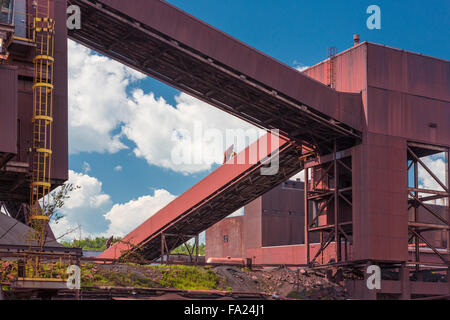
170	45
227	189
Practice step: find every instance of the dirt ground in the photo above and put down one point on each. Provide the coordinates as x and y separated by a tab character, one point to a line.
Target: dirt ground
282	282
279	282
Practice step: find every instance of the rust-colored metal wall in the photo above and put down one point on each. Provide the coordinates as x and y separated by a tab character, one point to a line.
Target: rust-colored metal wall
60	167
253	224
405	97
274	219
380	219
283	215
8	109
225	239
406	93
350	70
19	138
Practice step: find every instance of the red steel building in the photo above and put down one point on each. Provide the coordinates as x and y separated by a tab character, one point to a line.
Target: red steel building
361	125
383	213
16	104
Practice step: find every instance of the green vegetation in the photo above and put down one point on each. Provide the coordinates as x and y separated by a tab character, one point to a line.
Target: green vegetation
97	244
57	201
54	270
92	275
129	275
189	278
182	249
154	276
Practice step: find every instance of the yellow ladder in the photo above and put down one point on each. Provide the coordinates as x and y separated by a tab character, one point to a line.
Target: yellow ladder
43	36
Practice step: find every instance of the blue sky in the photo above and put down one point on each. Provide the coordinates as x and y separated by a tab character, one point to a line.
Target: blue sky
127	169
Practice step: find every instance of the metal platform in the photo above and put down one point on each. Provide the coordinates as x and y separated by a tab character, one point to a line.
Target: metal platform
39	284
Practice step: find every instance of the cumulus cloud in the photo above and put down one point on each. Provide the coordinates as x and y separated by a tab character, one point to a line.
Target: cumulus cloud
125	217
85	207
187	138
93	210
118	168
437	164
97	100
105	108
300	66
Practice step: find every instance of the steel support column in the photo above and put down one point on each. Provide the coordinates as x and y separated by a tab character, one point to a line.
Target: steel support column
416	227
337	237
307	217
405	283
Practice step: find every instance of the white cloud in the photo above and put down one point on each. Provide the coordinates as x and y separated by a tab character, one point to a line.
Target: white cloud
437	164
158	129
300	175
300	66
118	168
237	213
126	217
86	206
101	113
97	100
86	167
93	210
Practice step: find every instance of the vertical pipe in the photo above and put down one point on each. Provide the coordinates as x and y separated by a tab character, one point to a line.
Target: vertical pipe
336	202
162	248
346	250
404	283
416	216
306	216
196	249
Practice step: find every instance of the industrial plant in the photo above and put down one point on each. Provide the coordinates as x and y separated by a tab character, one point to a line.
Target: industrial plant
358	126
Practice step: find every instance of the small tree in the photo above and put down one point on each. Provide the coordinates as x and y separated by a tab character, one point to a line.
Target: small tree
58	199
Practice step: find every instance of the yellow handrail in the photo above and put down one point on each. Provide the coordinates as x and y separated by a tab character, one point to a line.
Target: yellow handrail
42	121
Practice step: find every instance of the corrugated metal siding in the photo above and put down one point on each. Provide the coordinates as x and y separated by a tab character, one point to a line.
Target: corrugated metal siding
8	109
216	247
60	140
283	216
380	219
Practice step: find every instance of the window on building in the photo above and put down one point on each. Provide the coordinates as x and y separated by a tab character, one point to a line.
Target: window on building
5	11
225	238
